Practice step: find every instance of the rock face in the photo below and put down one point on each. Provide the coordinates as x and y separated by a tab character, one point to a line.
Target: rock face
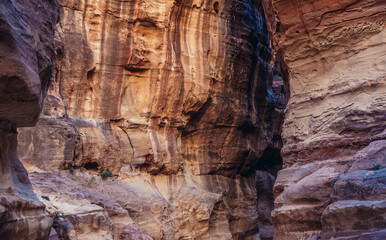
334	128
160	85
160	206
178	100
164	118
26	67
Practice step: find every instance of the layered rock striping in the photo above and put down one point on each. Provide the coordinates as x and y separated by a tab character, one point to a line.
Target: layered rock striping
334	128
178	100
171	80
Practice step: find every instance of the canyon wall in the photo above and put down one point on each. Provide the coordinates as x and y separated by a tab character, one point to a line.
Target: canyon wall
161	85
334	148
164	119
180	101
26	66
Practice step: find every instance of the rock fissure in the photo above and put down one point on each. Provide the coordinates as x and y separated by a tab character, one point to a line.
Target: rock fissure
132	147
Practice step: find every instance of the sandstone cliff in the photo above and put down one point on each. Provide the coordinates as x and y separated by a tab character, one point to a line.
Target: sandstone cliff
160	80
334	148
26	67
177	99
165	119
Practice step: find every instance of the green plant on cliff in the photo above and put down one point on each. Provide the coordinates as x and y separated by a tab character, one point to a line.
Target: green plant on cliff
71	169
106	174
46	198
55	223
57	220
376	167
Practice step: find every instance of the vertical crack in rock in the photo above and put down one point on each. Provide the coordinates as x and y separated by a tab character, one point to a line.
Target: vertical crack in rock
132	147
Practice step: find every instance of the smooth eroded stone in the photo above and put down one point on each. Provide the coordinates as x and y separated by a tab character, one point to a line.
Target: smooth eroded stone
22	215
27	58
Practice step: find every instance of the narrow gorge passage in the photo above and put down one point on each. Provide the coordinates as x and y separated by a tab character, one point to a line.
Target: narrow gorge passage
192	119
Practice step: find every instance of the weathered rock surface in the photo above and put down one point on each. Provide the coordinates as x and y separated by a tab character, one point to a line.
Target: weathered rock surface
179	100
264	188
21	213
27	58
334	127
165	207
334	53
81	210
337	198
26	66
172	76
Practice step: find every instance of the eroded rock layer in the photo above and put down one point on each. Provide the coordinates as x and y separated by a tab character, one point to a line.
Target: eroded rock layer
178	100
334	126
26	66
172	76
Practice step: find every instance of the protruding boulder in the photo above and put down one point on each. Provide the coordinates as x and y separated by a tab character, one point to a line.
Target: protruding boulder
27	58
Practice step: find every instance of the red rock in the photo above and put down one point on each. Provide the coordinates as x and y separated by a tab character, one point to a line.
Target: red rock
179	93
334	125
27	59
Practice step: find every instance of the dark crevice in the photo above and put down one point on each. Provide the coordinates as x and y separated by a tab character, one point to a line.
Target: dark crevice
271	161
273	81
132	147
216	7
92	166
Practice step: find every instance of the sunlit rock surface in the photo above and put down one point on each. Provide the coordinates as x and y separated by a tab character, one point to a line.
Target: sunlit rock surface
179	100
183	102
187	84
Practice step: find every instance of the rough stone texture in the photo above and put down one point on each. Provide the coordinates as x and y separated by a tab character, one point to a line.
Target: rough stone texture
81	210
337	77
179	100
165	207
26	67
334	127
335	198
21	213
27	58
264	187
173	76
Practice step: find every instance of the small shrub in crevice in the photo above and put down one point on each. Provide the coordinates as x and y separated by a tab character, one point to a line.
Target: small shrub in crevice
376	167
55	223
46	198
57	220
71	169
106	174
